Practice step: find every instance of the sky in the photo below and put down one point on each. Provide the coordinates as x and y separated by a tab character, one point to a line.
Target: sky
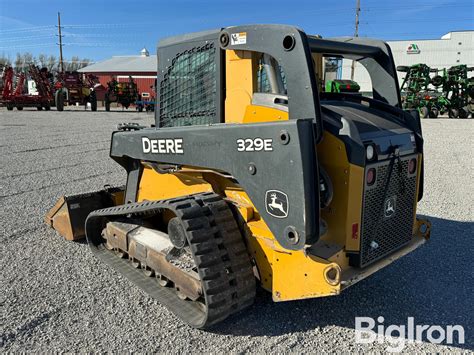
97	29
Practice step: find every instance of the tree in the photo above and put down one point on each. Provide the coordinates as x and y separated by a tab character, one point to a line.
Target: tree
42	59
5	61
76	63
22	61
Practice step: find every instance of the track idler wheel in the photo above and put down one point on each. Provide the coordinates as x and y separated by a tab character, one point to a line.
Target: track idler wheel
176	233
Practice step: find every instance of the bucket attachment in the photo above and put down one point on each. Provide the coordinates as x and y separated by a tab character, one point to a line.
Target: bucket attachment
69	214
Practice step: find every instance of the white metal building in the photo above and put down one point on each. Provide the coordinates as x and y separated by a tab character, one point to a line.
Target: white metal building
453	48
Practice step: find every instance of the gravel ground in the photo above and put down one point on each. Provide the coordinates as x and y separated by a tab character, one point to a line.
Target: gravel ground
57	297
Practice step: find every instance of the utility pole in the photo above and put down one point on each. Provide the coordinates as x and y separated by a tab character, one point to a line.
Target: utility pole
61	65
356	34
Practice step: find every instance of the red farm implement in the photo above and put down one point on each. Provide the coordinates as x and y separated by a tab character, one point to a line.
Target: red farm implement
73	89
15	96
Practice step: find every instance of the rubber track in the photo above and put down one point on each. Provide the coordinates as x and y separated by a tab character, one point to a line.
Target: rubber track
219	252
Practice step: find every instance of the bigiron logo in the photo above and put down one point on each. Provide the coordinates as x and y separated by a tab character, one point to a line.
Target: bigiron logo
276	203
398	335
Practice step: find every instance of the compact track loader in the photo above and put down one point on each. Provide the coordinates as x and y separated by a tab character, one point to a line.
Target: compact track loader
251	175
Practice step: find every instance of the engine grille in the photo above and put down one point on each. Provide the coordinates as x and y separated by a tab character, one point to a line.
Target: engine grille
382	230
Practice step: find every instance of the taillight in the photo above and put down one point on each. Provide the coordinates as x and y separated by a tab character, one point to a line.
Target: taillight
355	231
412	166
370	178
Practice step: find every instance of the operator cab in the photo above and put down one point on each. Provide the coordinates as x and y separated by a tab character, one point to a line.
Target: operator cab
367	114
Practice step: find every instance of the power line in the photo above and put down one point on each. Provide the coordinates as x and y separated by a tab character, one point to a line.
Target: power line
98	44
437	20
29	45
383	8
26	38
27	29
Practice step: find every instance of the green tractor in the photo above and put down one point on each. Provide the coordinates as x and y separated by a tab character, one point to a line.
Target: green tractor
124	93
340	85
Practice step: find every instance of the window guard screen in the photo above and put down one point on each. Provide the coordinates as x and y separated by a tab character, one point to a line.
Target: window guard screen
188	91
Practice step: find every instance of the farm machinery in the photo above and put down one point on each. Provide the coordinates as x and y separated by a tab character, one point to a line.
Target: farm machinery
72	88
342	85
458	89
15	97
416	93
450	90
299	191
147	102
124	93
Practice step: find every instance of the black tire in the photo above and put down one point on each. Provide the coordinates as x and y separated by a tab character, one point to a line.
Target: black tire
107	104
437	80
39	108
433	112
9	107
140	108
59	100
47	107
453	113
93	100
463	112
19	108
424	112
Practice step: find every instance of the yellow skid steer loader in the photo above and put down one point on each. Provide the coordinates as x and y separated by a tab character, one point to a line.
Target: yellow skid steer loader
252	175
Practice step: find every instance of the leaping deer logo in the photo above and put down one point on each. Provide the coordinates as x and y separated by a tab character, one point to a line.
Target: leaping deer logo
277	203
389	207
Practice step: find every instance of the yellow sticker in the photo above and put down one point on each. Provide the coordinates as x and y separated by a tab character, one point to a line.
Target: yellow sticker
238	38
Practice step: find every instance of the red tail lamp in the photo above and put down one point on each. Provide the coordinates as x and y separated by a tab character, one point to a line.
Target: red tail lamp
412	166
370	178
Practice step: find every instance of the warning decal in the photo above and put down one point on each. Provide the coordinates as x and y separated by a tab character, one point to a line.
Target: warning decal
238	38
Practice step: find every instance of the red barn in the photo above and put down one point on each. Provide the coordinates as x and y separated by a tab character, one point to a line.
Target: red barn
141	67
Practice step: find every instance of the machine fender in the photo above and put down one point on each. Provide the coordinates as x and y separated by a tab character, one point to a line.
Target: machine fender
274	163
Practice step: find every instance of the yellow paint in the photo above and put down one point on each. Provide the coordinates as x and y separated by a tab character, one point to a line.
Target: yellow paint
298	276
241	82
288	275
348	184
156	186
255	114
241	79
318	70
